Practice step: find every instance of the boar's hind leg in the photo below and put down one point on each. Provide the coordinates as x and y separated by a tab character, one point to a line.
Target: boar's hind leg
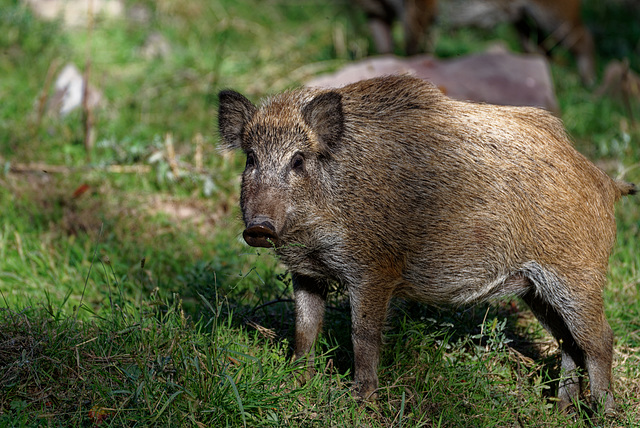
586	342
369	303
310	297
572	355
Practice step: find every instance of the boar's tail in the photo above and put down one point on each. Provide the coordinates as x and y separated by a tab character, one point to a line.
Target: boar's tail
626	188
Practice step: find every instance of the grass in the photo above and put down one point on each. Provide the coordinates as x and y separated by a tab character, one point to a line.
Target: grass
129	298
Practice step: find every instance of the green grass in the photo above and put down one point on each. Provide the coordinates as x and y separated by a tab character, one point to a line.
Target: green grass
136	303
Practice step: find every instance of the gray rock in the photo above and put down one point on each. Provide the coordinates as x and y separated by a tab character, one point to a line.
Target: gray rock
495	77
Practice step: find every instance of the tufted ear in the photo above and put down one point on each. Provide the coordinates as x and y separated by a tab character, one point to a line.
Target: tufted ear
234	113
324	115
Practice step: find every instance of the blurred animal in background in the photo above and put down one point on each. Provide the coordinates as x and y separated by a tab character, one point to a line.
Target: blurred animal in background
542	24
417	17
621	83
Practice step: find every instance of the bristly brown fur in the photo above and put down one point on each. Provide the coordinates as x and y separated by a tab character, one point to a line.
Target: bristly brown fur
391	188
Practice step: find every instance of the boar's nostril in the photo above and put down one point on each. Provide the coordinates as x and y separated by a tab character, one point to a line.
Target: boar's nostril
261	234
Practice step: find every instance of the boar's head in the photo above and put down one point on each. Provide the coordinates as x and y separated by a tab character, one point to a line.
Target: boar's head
289	142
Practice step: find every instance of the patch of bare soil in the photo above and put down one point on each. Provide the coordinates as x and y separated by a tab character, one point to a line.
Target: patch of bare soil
200	214
74	207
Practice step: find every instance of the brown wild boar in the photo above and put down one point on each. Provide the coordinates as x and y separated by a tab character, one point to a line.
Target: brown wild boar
393	189
417	17
558	21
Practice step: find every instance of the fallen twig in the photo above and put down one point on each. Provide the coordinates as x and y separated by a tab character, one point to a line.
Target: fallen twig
62	169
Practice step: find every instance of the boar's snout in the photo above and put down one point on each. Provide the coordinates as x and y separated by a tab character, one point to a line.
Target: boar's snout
260	233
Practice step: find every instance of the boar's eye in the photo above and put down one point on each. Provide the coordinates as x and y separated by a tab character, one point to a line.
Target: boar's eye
251	160
297	162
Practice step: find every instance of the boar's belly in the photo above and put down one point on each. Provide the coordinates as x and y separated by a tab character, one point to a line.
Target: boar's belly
463	286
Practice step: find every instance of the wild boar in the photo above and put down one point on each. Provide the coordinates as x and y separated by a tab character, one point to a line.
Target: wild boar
393	189
417	17
556	21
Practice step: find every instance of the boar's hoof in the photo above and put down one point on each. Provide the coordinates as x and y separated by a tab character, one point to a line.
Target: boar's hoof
366	394
260	234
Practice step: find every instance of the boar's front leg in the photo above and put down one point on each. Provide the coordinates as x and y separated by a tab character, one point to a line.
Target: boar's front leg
369	303
310	297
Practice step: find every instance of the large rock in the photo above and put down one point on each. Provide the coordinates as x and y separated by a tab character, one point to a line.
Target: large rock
495	77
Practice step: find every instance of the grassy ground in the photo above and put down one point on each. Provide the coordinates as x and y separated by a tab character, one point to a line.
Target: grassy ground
128	298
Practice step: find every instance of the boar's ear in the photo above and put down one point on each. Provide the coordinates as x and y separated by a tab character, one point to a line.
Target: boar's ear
324	115
234	113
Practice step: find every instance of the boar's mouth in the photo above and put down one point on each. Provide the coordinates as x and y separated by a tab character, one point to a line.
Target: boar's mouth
260	234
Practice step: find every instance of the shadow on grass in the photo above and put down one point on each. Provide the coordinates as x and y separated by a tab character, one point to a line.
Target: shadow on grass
505	329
